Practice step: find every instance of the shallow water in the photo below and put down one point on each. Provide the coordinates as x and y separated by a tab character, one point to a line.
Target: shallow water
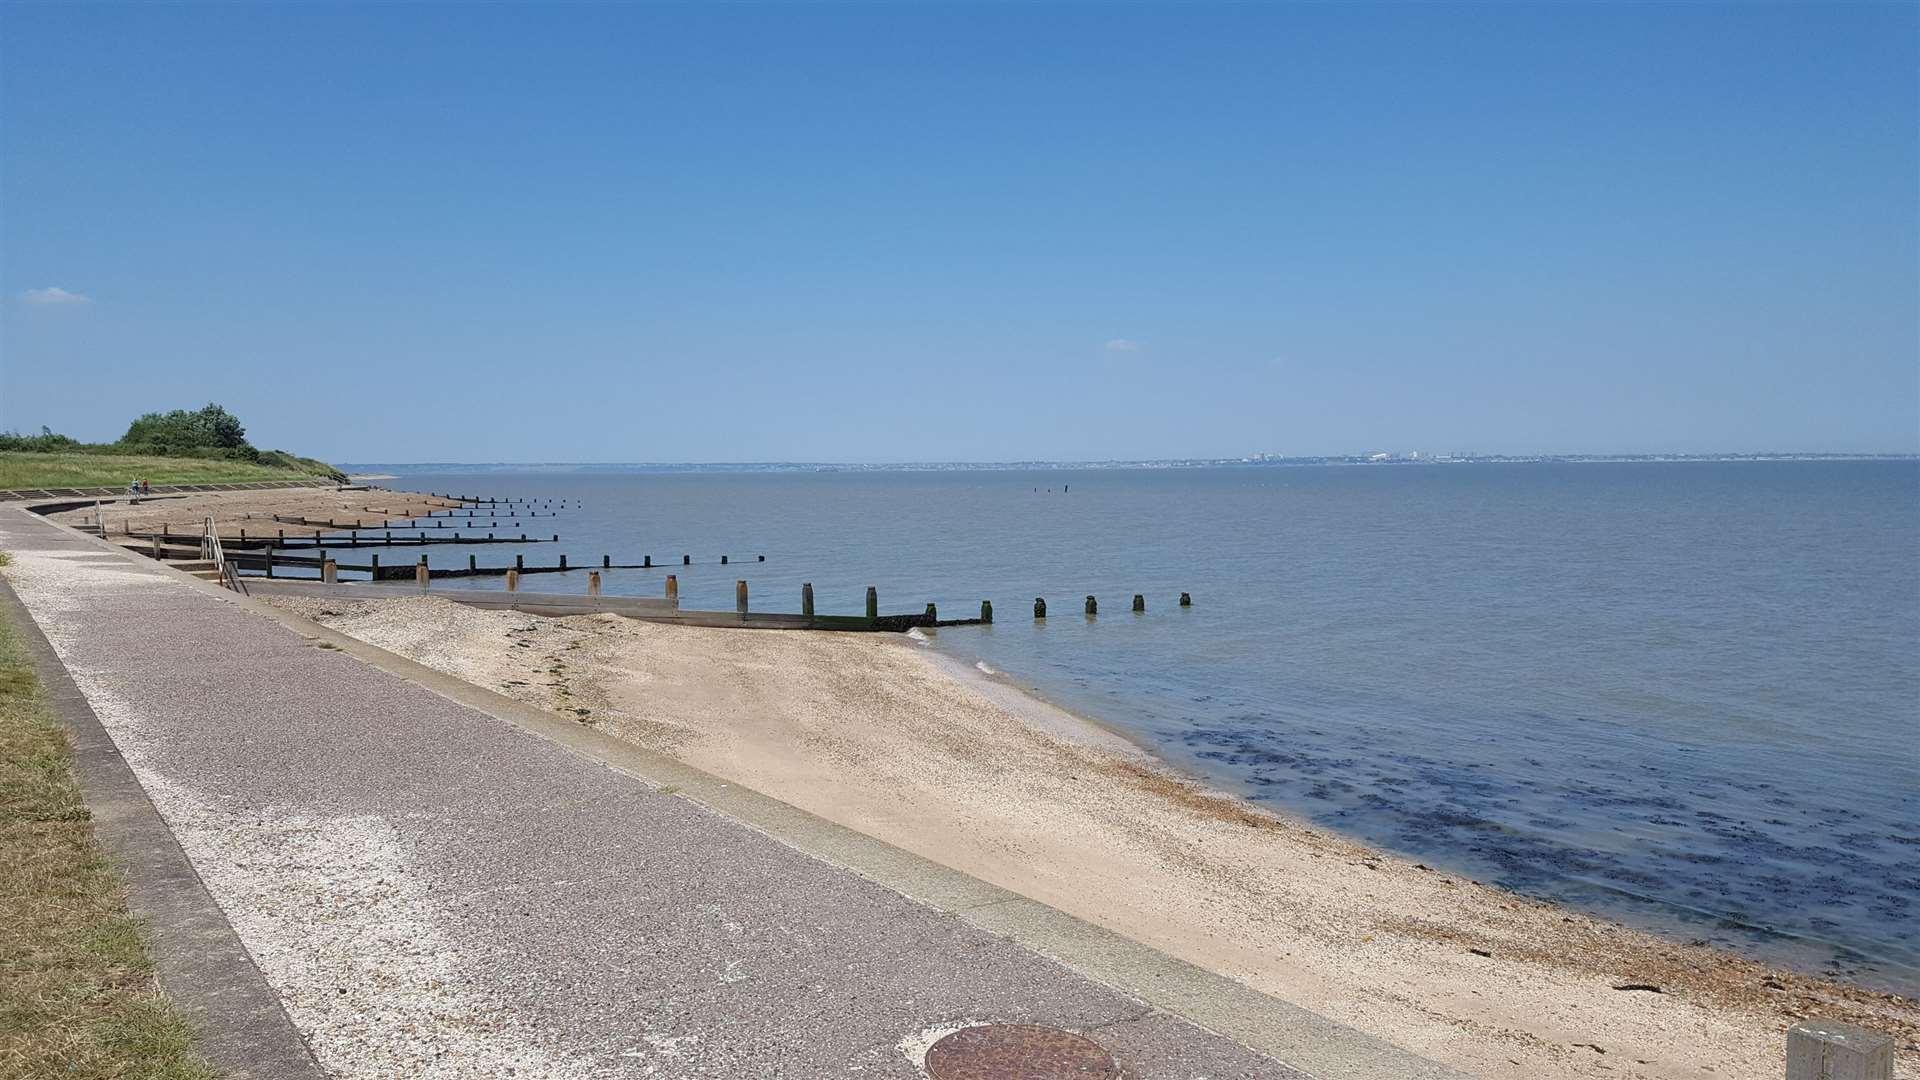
1684	695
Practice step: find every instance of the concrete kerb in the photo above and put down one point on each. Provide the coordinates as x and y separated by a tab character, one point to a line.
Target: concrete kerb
241	1028
1294	1036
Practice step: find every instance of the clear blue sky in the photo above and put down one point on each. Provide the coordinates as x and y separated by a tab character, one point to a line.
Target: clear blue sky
405	232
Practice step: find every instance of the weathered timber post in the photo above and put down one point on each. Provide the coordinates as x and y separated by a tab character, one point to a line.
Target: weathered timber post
606	561
156	545
873	603
513	581
519	562
243	536
593	583
933	613
1039	607
165	533
563	562
740	596
673	589
473	563
1825	1050
1139	602
762	558
421	575
1186	600
374	566
646	560
269	560
806	599
556	538
686	560
283	538
1093	606
329	571
723	560
986	611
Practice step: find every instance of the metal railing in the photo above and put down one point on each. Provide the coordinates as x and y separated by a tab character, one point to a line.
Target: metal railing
211	551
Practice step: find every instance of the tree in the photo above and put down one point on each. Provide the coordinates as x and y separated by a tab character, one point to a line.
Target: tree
211	427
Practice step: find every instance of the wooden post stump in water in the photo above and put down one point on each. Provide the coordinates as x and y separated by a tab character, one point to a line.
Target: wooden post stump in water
933	613
723	560
740	596
269	554
519	562
986	611
1039	607
1186	600
762	558
1139	602
473	563
1825	1050
806	599
1093	606
606	561
593	583
646	560
563	562
374	567
673	589
686	560
873	602
513	581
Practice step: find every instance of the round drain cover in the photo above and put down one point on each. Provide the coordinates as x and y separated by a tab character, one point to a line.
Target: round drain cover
1018	1052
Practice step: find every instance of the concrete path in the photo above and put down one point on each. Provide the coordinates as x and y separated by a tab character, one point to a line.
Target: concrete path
439	890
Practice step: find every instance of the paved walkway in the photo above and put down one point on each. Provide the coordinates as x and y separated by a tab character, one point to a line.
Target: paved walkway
433	891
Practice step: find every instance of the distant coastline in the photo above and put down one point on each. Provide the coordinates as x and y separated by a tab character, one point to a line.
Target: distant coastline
374	470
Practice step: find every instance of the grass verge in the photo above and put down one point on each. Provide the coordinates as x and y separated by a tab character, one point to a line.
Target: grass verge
28	469
77	993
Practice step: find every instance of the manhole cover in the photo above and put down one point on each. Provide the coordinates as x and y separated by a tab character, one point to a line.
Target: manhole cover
1018	1052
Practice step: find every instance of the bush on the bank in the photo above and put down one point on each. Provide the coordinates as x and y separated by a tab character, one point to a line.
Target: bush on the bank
210	433
210	427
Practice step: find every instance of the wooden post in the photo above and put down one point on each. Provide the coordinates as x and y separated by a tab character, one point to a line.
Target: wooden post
1186	600
1039	607
723	560
686	560
806	599
762	558
329	571
519	562
1093	606
556	538
740	596
563	562
646	560
986	611
1139	602
473	563
374	566
606	561
593	583
513	581
269	560
283	538
933	613
873	603
673	589
421	575
1824	1050
156	545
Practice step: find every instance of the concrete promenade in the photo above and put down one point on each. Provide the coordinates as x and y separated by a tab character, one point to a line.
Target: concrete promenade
439	883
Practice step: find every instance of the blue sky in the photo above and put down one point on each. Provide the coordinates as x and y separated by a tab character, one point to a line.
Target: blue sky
921	232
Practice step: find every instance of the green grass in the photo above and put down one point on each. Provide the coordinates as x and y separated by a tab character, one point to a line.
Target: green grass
25	469
77	993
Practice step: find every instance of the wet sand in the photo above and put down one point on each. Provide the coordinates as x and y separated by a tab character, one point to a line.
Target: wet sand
887	737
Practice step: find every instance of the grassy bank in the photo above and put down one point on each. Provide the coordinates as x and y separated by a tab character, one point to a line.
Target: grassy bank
26	469
77	992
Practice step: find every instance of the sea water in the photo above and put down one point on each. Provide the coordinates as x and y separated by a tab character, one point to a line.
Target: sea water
1685	695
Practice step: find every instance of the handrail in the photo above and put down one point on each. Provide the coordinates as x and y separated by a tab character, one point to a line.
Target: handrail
211	551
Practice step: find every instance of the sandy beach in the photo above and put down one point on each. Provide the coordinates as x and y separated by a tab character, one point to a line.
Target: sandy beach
888	737
370	508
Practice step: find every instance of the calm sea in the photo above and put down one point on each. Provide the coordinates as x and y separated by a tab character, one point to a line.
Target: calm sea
1683	695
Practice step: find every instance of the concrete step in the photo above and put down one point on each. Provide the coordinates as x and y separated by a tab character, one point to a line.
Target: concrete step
206	575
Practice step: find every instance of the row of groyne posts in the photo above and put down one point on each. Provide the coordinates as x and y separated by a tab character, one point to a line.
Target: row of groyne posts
266	552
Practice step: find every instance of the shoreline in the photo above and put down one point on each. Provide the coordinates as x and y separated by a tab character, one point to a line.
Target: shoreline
911	744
